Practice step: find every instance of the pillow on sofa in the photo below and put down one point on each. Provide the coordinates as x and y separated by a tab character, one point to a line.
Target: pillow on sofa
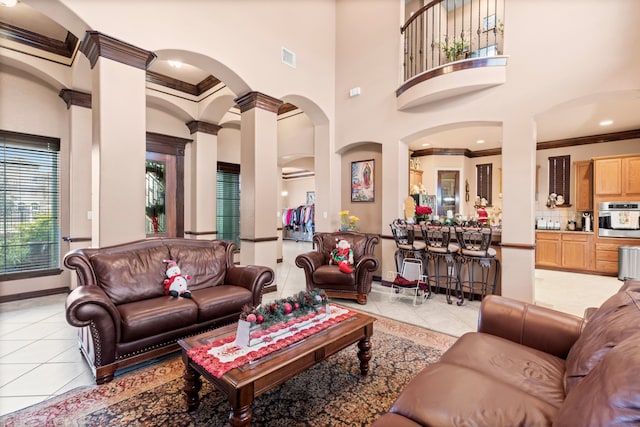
207	266
617	319
610	394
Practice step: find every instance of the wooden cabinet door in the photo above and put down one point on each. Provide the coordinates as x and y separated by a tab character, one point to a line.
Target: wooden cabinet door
608	177
576	251
548	250
631	181
584	185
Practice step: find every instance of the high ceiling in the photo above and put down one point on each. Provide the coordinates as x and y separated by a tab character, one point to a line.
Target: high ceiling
577	119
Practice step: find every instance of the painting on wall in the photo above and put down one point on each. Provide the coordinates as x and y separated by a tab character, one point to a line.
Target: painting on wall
311	197
362	178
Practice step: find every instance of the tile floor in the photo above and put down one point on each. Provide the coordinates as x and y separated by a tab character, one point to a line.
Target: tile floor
39	356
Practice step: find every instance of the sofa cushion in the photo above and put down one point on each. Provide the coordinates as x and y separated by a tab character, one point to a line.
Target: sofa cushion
532	371
610	394
443	394
146	318
219	301
207	266
330	277
614	321
130	276
357	242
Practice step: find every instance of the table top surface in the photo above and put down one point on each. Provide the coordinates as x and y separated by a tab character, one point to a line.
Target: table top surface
323	344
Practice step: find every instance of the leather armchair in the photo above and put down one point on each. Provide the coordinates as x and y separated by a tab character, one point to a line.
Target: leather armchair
320	274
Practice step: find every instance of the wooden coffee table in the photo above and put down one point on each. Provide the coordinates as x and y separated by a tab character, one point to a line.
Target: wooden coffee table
243	384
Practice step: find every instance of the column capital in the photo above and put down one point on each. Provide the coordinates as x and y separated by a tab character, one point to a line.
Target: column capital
256	99
204	127
75	97
96	44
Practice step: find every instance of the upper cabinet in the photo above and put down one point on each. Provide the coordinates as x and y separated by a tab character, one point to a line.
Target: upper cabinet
415	178
617	176
584	185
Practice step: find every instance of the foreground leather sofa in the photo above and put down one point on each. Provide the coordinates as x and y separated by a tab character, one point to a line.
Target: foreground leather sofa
532	366
120	304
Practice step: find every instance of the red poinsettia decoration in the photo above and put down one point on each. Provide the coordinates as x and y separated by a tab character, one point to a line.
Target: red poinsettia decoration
423	210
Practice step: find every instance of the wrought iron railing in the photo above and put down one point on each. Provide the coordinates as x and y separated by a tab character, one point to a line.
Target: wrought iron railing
445	31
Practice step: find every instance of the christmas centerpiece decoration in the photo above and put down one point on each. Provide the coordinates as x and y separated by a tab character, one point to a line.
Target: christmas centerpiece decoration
263	323
423	213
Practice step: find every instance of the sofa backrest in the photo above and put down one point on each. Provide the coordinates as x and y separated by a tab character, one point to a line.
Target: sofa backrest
135	271
361	243
603	366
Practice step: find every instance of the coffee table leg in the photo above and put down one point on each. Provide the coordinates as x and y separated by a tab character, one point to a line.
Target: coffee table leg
192	383
364	355
241	416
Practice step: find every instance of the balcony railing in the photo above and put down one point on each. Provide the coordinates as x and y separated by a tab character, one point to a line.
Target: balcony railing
445	31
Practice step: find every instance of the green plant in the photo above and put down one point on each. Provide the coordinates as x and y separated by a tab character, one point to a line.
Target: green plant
453	50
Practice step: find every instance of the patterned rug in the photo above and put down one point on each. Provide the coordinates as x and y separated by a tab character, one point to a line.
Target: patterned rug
331	393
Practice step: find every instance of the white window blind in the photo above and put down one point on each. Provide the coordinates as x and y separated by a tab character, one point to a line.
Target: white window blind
29	205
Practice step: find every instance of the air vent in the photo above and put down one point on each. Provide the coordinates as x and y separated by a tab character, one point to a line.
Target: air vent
288	57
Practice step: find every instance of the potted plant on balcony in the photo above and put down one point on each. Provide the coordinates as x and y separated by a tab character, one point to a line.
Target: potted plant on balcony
455	50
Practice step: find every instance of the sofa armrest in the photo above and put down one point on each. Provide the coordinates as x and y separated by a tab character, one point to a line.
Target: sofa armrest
251	277
368	263
90	306
537	327
310	261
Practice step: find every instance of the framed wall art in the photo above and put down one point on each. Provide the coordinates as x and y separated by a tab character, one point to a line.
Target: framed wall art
362	181
311	197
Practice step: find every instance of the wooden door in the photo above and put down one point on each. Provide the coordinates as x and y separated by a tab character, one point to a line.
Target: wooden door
548	249
631	181
448	192
584	186
161	190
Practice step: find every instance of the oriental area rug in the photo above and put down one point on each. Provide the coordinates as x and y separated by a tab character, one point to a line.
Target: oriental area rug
331	393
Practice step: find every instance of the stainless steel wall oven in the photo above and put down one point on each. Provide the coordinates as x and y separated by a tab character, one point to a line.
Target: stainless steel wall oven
619	219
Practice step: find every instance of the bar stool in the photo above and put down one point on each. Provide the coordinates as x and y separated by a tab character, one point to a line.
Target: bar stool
407	246
441	262
476	254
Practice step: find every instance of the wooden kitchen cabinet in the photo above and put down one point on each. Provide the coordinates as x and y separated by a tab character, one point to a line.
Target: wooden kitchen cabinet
584	185
548	249
617	176
564	250
415	178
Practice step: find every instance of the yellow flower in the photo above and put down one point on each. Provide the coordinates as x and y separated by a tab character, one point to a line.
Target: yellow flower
354	218
344	213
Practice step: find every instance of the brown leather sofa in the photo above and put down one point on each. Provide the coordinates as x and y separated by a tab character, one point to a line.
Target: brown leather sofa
320	274
533	366
120	304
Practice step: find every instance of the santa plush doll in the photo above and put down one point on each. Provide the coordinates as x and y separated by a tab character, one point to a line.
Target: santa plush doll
342	256
176	283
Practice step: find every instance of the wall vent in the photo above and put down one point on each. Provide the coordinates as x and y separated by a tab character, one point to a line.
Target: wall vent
288	57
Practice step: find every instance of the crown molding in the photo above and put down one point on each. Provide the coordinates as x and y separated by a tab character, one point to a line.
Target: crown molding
203	127
75	97
252	100
96	44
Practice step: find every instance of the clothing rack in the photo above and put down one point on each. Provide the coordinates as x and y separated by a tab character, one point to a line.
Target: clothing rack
298	223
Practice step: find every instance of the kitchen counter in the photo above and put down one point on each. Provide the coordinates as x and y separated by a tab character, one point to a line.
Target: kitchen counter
564	231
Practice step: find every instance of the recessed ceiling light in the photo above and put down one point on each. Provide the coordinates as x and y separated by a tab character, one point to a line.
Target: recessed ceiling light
606	122
426	144
175	64
480	141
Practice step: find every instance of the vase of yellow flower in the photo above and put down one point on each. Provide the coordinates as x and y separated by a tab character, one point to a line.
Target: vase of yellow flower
353	222
344	220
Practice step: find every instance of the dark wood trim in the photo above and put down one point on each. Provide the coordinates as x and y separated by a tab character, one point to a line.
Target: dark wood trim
76	239
442	152
64	48
259	239
40	141
228	167
300	174
207	83
166	144
33	294
30	274
591	139
526	246
494	61
200	233
75	97
96	44
417	14
286	107
171	83
203	127
252	100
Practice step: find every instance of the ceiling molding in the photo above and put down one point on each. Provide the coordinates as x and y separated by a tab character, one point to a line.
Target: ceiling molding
75	97
64	48
203	127
591	139
298	174
254	99
167	144
96	45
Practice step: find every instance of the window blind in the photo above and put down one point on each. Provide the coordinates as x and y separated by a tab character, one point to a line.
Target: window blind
228	202
559	177
29	204
484	181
